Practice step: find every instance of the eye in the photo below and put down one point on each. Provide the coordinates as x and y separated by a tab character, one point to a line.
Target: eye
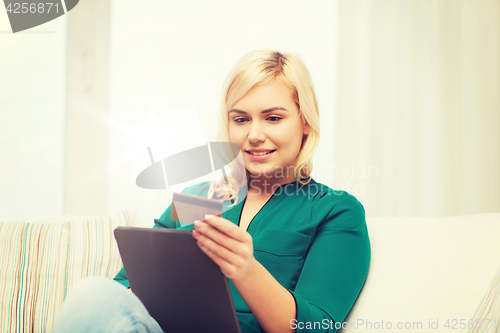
239	120
274	119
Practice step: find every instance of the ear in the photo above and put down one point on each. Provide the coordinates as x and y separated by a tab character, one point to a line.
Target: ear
307	129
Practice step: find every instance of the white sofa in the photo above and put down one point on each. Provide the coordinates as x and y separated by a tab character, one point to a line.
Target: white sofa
428	271
423	270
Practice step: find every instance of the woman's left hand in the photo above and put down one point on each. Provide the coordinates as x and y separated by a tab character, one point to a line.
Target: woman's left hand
228	245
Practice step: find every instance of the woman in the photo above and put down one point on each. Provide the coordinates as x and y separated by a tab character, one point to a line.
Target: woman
295	251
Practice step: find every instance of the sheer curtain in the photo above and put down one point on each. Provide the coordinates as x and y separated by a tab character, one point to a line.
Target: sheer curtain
418	106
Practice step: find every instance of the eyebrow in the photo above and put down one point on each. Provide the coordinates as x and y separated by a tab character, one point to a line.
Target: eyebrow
263	111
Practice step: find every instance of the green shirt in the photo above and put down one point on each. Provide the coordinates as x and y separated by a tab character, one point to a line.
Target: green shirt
312	239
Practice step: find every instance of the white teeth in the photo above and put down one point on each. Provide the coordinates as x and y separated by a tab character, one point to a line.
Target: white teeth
260	153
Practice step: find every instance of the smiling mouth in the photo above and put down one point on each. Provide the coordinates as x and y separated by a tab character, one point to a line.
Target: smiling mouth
260	153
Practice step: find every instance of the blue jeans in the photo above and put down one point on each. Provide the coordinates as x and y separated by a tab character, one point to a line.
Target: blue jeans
98	304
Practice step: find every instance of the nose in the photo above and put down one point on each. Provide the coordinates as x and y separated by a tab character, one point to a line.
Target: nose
256	134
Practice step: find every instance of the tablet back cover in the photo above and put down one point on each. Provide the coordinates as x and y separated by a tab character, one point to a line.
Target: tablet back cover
180	286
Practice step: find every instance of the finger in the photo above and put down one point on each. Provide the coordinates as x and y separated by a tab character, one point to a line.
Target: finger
219	237
218	250
227	227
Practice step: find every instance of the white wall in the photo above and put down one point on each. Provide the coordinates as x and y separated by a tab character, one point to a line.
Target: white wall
419	87
32	104
168	63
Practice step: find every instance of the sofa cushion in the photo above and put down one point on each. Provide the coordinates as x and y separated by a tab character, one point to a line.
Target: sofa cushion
41	261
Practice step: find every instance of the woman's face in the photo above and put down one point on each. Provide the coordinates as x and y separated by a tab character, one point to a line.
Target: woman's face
266	125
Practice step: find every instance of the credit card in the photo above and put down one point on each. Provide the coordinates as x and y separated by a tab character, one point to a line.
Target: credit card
186	207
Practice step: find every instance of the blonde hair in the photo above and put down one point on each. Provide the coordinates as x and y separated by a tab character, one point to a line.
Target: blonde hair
263	66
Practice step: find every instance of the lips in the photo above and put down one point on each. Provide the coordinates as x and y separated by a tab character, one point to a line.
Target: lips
260	155
260	152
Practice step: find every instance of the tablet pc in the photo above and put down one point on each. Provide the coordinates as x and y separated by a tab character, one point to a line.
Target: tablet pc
180	286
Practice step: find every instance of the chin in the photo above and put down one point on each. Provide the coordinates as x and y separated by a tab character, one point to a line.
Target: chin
265	172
